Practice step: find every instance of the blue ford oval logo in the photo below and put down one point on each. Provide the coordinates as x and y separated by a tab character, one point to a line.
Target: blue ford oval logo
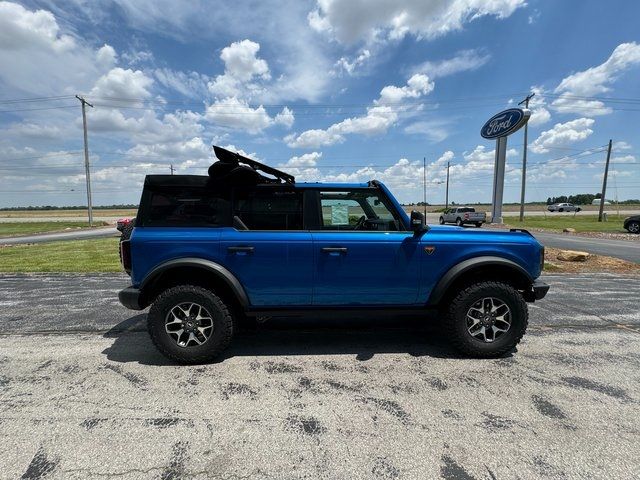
505	123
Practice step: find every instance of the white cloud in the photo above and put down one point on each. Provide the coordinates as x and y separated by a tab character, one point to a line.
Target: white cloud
190	84
595	81
36	58
235	113
106	56
285	117
353	20
539	112
313	138
350	66
305	160
383	114
32	131
563	134
243	70
621	145
623	159
147	128
22	29
136	57
404	177
462	61
613	174
121	83
434	130
241	61
303	167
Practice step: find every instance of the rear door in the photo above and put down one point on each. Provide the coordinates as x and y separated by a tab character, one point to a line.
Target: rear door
272	257
363	255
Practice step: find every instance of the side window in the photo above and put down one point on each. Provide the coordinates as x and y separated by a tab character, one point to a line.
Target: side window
361	209
269	208
177	206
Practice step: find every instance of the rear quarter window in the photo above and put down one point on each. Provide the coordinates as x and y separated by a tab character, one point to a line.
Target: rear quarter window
177	206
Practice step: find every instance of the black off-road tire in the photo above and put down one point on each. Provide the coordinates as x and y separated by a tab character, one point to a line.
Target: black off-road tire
220	313
125	235
456	321
478	224
441	220
561	209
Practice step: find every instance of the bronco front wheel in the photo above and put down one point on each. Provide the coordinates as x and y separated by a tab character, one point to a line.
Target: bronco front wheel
190	324
487	319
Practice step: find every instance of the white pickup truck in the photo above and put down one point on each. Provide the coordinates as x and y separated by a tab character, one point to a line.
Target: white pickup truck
463	215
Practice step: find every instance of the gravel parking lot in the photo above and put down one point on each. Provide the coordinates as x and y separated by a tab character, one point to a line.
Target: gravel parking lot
84	394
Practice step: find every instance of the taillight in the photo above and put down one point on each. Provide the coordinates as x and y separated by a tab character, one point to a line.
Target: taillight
541	259
466	216
125	255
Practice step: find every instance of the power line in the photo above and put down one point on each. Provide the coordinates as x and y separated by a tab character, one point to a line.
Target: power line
35	99
36	109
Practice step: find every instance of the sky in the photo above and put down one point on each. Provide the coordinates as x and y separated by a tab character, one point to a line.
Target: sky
329	90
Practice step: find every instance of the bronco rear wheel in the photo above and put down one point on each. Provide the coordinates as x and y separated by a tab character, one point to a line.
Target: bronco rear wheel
190	324
487	319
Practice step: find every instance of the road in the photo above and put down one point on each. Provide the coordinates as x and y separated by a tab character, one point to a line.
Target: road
624	249
82	234
83	393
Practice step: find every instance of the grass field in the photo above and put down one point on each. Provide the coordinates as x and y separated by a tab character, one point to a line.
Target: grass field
9	229
73	256
67	213
581	223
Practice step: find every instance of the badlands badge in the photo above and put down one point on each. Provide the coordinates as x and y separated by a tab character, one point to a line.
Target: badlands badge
429	249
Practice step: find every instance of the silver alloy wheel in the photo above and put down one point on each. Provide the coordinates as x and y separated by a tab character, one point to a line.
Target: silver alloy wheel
488	319
189	324
634	227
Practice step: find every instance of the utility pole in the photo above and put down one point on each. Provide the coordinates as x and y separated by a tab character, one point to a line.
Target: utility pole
171	168
604	182
446	197
424	184
524	157
86	158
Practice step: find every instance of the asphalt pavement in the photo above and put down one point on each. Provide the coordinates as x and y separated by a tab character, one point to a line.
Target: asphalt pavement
80	234
84	394
624	249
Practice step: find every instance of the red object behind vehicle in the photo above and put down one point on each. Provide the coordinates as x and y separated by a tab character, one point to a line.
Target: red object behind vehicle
122	222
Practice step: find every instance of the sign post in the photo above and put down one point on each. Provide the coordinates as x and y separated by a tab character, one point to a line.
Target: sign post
498	179
499	127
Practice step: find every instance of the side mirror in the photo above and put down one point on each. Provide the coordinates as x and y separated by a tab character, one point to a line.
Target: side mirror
417	222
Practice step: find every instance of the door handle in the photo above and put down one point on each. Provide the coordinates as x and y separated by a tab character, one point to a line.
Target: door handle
240	249
334	249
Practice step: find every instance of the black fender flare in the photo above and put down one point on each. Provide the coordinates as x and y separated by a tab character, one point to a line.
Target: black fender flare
455	272
192	262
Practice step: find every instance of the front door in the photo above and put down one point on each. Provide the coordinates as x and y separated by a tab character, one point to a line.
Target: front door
362	255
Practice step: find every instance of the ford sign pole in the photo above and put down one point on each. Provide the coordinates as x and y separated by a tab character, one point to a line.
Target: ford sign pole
498	179
500	126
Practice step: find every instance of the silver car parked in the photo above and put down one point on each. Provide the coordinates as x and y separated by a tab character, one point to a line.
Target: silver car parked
563	207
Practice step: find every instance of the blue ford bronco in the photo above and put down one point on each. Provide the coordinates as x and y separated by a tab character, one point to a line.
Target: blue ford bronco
247	241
